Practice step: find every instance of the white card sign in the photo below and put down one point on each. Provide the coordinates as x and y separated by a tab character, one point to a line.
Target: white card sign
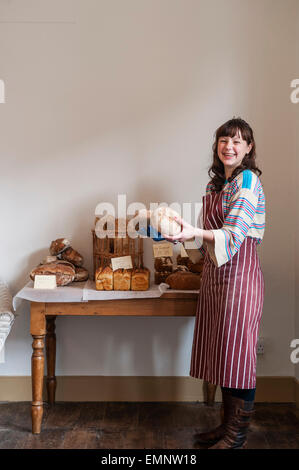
42	281
122	262
162	249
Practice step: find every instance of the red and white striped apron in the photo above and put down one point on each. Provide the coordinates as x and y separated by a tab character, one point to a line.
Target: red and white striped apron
229	311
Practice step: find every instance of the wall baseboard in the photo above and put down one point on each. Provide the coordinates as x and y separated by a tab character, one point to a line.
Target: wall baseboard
139	389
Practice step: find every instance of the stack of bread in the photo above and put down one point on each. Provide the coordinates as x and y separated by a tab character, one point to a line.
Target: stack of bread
137	279
163	267
64	262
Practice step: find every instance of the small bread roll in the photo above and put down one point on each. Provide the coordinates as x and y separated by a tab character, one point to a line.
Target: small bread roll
163	263
163	220
72	256
58	246
161	277
195	267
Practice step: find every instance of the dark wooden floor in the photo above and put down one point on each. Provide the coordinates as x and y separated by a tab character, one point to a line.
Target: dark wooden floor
119	425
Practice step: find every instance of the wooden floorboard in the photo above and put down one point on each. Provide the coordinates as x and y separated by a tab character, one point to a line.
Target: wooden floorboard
121	425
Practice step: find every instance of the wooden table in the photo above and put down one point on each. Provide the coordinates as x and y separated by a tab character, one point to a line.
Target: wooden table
42	325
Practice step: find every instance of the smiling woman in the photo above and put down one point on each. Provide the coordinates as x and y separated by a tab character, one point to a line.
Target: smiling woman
231	294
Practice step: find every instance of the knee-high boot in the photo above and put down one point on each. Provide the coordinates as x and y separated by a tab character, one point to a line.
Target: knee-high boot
213	436
236	427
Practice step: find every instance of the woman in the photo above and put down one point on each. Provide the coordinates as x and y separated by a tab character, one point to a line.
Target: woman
232	290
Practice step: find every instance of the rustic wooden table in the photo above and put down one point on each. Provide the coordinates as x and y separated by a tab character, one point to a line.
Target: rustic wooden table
42	325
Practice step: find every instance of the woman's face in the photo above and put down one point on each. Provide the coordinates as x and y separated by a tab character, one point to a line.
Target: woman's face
232	150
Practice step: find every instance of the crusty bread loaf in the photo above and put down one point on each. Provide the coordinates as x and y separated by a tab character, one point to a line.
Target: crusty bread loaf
104	278
64	272
72	256
122	279
140	279
163	264
81	274
58	246
184	281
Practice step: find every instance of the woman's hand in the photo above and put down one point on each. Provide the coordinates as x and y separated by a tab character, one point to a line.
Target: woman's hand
187	232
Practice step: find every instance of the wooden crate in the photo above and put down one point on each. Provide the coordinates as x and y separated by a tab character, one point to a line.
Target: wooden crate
104	249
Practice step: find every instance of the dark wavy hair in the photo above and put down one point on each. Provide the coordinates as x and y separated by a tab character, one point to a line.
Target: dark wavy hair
230	129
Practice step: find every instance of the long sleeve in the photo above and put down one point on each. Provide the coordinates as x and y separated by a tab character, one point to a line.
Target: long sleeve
244	217
199	242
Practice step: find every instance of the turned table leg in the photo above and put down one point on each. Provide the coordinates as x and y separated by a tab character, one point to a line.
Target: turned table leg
37	328
209	393
51	358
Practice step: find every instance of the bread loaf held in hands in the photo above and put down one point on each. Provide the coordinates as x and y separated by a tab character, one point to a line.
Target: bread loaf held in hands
64	272
163	220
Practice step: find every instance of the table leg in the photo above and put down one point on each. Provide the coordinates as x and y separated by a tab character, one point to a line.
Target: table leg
51	358
209	393
37	328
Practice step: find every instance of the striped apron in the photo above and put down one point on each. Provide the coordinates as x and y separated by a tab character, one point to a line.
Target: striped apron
229	311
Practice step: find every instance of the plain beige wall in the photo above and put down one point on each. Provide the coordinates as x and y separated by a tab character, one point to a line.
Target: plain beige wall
123	97
296	118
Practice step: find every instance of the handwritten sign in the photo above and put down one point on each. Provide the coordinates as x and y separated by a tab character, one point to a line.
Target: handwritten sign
42	281
162	249
122	262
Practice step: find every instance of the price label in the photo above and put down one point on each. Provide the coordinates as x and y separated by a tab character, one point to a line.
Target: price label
122	262
162	249
45	281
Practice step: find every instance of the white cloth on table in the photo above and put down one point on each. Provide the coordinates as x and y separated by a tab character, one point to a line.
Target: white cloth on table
85	291
71	293
7	316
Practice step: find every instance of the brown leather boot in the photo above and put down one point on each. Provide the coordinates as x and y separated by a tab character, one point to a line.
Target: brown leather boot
213	436
237	425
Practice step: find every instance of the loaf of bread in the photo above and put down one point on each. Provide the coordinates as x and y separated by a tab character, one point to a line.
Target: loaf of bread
161	277
64	272
140	279
81	274
184	281
163	220
72	256
104	278
58	246
122	279
163	264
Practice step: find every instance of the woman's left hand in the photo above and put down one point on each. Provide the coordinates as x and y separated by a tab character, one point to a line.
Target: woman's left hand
187	232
